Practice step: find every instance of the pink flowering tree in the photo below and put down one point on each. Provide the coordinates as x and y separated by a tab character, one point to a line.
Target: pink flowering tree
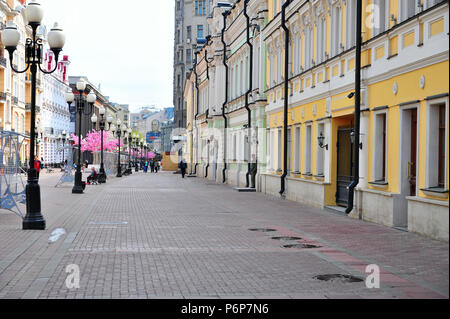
93	142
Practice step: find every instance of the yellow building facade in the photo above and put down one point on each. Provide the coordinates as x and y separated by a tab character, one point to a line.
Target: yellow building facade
404	172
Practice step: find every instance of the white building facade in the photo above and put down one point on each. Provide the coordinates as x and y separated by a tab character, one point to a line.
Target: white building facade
55	115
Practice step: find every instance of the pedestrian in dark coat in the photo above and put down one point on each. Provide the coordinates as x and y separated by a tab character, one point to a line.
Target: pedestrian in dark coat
152	166
183	167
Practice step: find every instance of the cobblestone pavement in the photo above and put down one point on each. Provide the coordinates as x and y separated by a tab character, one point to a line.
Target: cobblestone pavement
158	236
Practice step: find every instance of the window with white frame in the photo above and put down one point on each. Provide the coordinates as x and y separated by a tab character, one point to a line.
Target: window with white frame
297	59
429	3
379	16
241	78
351	23
320	151
279	64
234	147
308	148
407	9
321	40
437	152
336	30
269	150
380	147
308	47
297	148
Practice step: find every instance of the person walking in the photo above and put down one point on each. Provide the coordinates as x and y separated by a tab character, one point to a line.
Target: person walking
152	166
37	166
157	165
182	166
145	167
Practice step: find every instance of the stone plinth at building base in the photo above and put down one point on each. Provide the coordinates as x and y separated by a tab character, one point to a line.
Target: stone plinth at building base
428	217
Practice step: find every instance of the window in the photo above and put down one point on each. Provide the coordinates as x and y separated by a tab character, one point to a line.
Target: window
308	47
189	32
234	148
308	152
351	24
200	7
321	40
436	145
200	31
297	148
408	9
336	31
379	16
274	8
279	147
380	147
188	55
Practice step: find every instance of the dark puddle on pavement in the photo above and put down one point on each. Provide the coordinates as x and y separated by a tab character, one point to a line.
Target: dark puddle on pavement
301	246
262	230
338	277
287	238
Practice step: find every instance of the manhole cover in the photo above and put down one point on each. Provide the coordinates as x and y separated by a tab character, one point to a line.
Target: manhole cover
338	277
263	230
301	246
287	238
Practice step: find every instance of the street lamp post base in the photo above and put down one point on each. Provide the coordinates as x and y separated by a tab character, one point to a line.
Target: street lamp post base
102	178
33	219
78	187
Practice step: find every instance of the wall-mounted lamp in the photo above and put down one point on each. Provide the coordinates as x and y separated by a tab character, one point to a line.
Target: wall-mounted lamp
321	139
393	19
351	95
352	139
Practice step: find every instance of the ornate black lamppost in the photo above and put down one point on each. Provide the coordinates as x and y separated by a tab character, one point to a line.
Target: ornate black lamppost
141	146
135	144
85	105
33	59
102	124
129	139
120	131
63	138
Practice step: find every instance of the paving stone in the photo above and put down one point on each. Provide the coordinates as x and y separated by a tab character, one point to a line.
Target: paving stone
156	236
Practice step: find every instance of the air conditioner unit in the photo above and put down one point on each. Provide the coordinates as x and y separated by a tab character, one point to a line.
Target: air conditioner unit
188	41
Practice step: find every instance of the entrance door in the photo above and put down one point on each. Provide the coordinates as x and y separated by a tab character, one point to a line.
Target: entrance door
344	165
413	157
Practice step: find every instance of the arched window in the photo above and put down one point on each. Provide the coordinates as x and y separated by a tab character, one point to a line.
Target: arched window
16	122
22	123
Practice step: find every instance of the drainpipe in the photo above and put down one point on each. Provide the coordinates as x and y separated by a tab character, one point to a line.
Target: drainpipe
286	94
249	91
351	188
196	109
225	14
207	111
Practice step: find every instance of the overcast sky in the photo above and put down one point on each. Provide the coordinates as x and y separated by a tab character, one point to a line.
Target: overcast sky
126	46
